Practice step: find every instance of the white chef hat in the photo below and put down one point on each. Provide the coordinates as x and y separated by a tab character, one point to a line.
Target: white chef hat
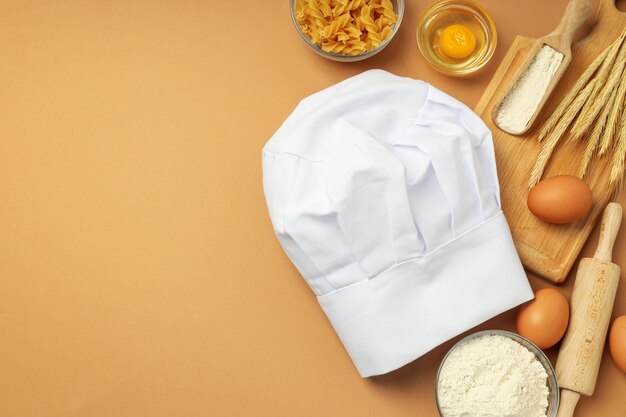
384	194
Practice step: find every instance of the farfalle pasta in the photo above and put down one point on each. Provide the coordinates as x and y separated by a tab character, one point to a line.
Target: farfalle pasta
349	27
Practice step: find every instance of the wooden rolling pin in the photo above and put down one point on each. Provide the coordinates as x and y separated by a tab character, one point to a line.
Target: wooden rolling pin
592	303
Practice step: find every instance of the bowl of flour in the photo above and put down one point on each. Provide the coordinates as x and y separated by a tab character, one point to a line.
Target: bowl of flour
495	373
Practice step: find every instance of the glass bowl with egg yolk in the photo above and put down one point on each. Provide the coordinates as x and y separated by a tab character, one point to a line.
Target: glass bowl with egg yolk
456	37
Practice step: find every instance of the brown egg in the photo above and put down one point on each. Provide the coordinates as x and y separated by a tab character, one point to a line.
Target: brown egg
617	342
544	320
560	199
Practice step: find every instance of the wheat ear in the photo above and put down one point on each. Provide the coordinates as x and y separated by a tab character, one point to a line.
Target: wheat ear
542	160
594	140
574	109
616	110
556	135
607	74
551	123
617	166
590	148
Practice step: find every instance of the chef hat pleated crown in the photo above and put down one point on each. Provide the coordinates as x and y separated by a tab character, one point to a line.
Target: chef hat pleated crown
384	194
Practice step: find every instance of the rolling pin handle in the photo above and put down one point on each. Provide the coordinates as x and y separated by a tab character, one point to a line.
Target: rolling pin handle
568	402
611	221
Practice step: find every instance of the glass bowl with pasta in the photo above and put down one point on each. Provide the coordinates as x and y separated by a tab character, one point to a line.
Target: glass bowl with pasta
347	30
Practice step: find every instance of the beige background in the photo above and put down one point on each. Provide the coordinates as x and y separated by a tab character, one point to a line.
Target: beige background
139	273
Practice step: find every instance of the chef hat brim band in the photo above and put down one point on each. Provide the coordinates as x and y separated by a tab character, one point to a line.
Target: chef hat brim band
404	312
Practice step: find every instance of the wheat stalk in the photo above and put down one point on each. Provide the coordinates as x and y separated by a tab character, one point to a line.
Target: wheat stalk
607	77
542	160
597	95
594	142
574	110
551	123
558	132
617	167
616	109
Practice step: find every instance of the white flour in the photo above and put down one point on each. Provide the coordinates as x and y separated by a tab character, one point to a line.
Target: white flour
521	102
492	376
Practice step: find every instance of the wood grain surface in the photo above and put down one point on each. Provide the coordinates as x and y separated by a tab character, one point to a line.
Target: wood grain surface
548	250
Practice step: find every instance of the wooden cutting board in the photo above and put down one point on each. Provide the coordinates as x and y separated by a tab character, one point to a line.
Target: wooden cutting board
545	249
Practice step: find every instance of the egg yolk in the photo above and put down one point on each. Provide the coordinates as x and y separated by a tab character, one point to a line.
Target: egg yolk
457	41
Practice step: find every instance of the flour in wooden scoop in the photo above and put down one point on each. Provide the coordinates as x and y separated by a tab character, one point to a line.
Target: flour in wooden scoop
521	103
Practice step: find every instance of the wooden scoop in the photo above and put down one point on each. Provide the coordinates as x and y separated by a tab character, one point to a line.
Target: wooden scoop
594	292
560	40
